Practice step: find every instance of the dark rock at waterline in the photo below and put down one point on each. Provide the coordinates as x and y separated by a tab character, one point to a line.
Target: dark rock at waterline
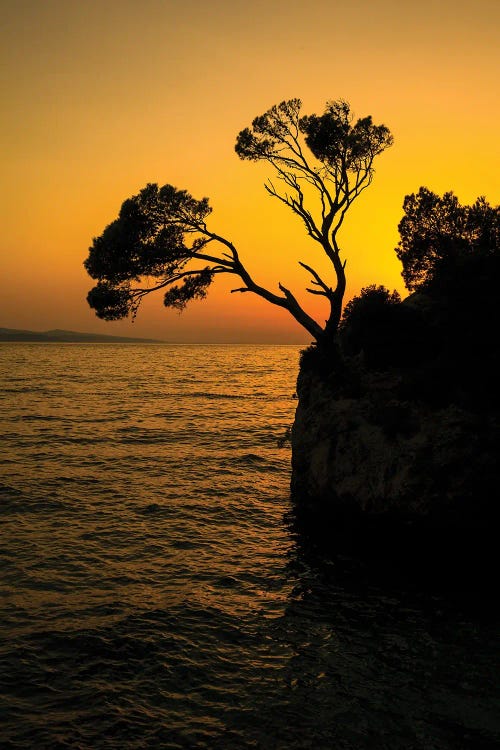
392	455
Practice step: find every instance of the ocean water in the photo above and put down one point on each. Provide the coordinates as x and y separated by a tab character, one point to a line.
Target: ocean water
156	594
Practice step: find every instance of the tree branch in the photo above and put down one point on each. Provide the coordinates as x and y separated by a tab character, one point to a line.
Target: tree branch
177	277
318	281
288	301
297	206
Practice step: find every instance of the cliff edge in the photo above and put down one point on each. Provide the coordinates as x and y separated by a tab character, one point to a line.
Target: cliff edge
400	439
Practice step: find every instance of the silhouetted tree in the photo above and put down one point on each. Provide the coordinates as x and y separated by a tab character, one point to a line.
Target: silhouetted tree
367	303
387	331
366	318
161	239
438	235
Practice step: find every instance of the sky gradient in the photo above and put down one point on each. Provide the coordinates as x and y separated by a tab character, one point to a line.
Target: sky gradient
100	98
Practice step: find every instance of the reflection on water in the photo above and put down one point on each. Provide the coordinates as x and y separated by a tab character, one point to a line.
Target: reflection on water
156	593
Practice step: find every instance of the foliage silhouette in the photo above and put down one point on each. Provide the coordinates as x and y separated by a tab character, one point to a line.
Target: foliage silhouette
387	332
438	234
365	317
369	302
161	239
451	254
445	330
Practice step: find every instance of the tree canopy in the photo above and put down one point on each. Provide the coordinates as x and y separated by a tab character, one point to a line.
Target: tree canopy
438	234
161	239
451	255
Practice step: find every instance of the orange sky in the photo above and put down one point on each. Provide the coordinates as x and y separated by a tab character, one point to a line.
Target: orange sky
102	97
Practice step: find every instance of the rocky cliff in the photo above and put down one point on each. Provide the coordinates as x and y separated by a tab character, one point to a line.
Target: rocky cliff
399	447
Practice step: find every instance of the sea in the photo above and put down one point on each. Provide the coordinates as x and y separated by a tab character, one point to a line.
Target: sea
156	591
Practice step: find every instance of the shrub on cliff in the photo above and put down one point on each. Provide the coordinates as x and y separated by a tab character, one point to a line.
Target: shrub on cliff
387	332
451	262
451	253
439	235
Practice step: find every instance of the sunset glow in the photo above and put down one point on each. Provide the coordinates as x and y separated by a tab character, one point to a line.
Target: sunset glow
102	98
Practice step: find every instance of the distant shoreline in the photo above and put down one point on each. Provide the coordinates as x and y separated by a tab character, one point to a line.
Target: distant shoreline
9	340
58	336
13	335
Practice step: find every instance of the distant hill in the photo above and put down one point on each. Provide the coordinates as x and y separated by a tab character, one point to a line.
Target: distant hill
57	335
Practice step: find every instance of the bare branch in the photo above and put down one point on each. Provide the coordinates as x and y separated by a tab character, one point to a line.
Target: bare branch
296	204
177	277
317	278
316	291
213	259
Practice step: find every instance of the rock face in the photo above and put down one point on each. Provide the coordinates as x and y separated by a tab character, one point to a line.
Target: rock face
363	449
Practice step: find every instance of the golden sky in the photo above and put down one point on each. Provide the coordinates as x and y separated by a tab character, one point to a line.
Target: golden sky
102	96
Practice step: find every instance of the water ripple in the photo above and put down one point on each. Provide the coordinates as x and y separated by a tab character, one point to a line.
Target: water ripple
153	596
